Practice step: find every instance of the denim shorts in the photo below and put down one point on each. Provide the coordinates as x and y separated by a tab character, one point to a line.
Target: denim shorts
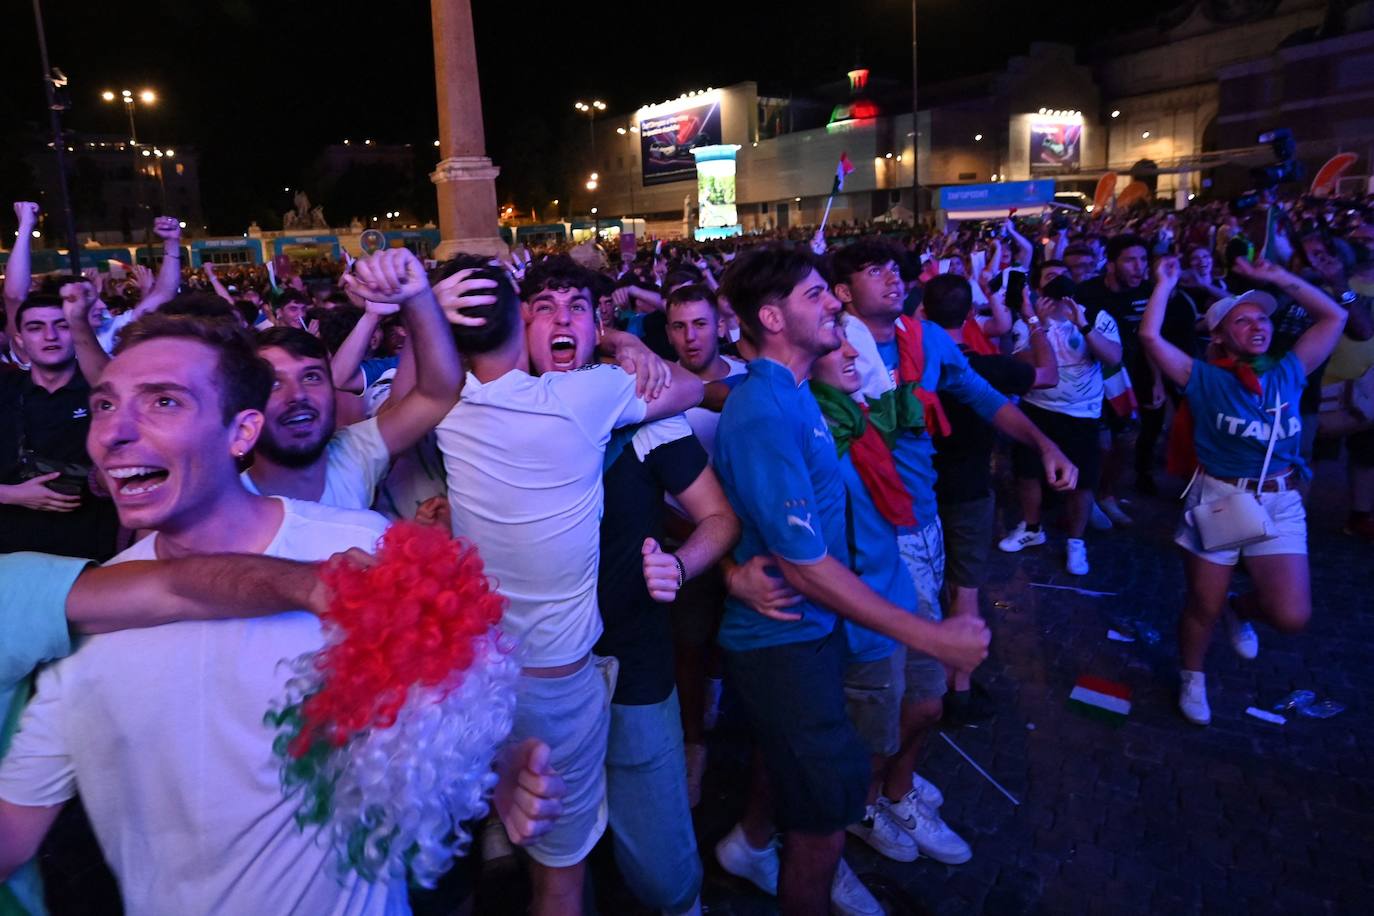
793	696
651	820
923	552
571	714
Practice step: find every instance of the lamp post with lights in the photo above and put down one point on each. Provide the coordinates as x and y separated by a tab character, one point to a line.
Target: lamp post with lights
127	97
629	134
54	79
591	109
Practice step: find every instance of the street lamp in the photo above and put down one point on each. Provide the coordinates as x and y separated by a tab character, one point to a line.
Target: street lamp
590	109
147	97
630	148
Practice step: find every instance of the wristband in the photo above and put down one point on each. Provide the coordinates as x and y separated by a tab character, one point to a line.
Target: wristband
1085	330
681	571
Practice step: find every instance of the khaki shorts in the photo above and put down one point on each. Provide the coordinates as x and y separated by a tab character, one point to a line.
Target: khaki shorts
1284	507
873	700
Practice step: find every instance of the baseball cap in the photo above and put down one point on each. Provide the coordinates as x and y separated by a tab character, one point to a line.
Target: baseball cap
1218	311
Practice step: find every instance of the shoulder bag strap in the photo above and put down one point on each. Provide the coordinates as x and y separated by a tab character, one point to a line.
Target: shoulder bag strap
1273	437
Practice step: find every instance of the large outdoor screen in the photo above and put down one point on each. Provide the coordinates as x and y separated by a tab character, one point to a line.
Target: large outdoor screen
666	140
1054	144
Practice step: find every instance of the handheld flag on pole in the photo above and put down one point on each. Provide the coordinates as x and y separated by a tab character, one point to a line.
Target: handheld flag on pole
841	170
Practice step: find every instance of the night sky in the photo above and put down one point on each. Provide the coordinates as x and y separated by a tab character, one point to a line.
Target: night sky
258	87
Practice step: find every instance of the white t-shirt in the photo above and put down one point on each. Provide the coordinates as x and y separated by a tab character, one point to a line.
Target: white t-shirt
524	458
161	730
108	334
356	460
1079	392
703	421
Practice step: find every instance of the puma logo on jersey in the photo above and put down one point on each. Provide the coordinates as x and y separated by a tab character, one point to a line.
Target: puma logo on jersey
801	523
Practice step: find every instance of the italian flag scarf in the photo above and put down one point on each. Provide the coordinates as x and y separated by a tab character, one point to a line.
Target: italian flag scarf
869	448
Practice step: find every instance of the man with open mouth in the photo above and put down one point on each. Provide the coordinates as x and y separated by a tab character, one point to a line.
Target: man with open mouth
524	454
301	453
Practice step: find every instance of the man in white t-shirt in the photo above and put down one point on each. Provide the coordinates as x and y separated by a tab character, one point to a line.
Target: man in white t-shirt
695	328
524	456
161	729
1067	413
301	455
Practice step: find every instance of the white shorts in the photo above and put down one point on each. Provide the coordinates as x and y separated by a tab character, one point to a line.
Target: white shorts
572	715
1284	507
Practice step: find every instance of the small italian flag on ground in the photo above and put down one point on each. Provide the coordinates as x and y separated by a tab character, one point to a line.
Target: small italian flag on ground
1096	698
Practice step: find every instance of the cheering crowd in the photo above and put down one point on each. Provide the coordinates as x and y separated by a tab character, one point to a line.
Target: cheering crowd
768	467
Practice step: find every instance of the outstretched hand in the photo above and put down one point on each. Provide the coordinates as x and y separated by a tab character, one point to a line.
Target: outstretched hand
461	291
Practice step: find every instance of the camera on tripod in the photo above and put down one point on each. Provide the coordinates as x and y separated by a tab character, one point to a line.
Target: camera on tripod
1285	167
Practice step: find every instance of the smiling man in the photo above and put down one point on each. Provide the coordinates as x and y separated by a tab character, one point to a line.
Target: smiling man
301	453
161	729
777	460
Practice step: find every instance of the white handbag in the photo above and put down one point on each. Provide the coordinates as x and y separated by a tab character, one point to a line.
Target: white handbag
1236	519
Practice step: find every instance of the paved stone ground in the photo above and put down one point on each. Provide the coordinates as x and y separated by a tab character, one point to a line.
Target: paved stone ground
1156	816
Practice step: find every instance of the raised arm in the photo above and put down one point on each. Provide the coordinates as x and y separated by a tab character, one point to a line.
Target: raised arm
215	283
396	276
1176	365
18	269
91	357
167	228
1022	258
1038	353
345	363
1315	345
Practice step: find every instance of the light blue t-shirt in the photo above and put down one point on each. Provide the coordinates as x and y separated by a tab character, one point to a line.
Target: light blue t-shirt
33	630
946	371
875	559
1231	425
776	461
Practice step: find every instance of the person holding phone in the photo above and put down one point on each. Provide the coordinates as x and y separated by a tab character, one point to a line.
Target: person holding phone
1068	412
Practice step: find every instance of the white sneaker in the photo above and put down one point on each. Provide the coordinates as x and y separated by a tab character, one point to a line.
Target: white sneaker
886	836
1098	519
1112	509
849	897
696	768
757	866
1243	637
1192	698
1019	539
932	835
711	714
926	793
1076	557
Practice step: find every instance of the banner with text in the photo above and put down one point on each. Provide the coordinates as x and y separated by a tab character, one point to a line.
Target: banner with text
666	141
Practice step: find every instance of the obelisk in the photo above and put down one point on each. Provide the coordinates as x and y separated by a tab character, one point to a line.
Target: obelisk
464	178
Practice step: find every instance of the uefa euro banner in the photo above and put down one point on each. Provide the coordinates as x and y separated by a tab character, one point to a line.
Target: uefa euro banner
668	134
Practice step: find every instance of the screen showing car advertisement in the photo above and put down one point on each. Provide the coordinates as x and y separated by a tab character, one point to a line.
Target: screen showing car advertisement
1055	145
666	140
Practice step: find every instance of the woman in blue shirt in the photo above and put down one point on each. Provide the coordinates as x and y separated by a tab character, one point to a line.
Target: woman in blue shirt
1233	400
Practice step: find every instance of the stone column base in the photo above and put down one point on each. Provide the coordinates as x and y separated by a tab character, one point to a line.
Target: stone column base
466	187
492	246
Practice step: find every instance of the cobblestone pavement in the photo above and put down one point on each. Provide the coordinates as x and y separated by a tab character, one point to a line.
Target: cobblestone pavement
1155	816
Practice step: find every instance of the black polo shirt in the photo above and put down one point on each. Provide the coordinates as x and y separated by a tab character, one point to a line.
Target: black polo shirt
54	425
